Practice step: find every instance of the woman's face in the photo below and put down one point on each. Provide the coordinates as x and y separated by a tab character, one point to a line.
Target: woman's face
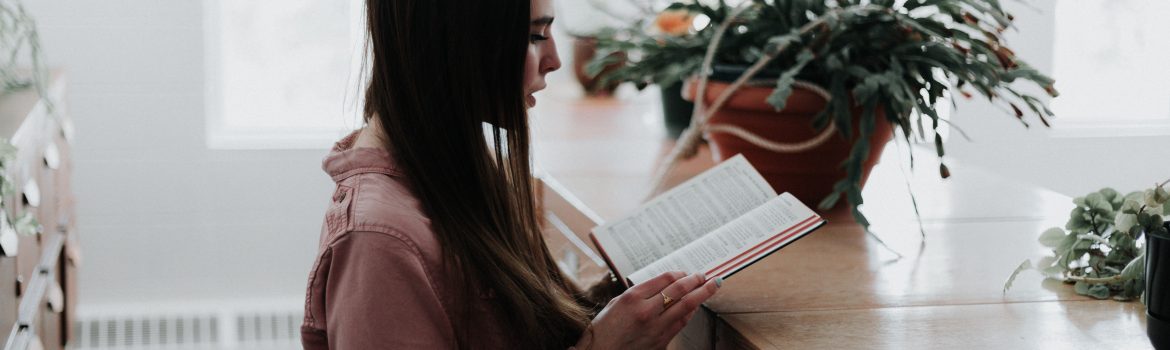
542	50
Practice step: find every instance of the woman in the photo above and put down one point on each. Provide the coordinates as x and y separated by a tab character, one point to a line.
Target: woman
431	240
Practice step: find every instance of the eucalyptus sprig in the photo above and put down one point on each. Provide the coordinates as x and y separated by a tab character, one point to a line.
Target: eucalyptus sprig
1099	250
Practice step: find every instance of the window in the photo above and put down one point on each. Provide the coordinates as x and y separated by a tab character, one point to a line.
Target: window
1110	65
282	73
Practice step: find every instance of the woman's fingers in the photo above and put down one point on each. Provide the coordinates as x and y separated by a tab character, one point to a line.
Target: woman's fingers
682	286
687	304
654	285
676	316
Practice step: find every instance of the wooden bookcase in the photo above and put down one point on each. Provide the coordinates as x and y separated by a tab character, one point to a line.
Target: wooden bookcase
38	286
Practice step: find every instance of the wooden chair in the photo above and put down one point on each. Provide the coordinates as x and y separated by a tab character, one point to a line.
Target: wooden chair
566	223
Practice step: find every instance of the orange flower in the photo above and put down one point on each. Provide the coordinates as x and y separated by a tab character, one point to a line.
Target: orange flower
674	22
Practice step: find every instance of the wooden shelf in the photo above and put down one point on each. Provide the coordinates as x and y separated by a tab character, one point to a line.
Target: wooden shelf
34	297
42	174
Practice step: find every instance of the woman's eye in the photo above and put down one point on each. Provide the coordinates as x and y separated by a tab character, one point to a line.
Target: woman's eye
537	38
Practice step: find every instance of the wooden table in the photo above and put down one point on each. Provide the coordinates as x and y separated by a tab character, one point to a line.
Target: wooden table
839	288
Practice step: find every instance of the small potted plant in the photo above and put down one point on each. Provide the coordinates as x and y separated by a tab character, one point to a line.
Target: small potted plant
842	75
1158	288
1100	252
1157	271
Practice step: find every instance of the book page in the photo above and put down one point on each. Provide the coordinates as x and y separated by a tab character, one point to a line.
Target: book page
739	243
683	214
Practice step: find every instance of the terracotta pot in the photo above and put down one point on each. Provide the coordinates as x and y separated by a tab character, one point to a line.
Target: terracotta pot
584	48
808	175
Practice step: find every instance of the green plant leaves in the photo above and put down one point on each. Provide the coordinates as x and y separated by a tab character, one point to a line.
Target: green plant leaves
1149	220
1099	204
1066	245
1156	197
1099	247
7	152
1109	194
1130	207
1125	221
783	90
1078	221
1093	290
27	225
7	156
1098	291
1132	289
1026	265
1135	268
1053	237
781	41
1081	287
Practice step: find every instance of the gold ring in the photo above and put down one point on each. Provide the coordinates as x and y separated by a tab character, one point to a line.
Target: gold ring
666	300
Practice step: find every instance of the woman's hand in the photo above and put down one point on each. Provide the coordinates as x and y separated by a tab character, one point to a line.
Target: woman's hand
640	318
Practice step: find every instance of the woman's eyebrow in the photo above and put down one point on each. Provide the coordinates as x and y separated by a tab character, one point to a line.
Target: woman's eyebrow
542	21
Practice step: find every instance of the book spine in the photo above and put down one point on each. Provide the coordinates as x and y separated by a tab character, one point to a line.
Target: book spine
760	250
608	262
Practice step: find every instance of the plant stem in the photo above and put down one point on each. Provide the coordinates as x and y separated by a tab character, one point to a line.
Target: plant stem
1093	223
1096	280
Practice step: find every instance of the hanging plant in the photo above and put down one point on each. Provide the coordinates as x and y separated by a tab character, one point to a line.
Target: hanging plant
20	43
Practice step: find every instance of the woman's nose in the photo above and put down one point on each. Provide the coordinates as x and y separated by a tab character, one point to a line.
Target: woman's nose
551	61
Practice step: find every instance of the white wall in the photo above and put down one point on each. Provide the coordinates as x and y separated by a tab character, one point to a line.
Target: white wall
162	217
1067	164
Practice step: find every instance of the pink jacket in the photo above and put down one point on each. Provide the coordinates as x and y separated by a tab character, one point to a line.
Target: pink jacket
378	281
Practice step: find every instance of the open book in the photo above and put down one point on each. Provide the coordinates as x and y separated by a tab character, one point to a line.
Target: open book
717	223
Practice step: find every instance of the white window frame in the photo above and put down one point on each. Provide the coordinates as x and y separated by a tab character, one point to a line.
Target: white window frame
1102	127
221	137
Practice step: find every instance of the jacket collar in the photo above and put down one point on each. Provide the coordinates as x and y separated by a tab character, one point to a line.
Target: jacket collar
345	161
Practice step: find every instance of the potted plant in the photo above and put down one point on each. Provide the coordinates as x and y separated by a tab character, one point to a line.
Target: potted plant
584	49
660	52
840	76
1100	252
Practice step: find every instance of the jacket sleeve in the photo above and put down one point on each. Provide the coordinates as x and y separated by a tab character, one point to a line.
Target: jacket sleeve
380	296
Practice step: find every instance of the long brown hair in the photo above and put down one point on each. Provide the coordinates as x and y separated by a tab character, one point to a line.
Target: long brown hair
439	69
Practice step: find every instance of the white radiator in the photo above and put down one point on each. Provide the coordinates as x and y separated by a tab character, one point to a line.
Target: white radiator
229	325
